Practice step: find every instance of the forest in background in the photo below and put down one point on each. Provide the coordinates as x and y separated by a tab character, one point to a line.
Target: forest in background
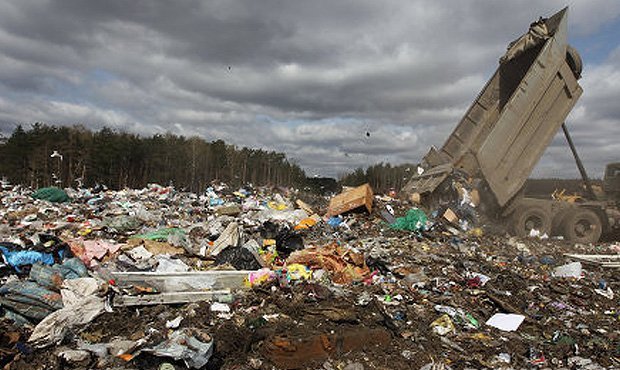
123	160
382	177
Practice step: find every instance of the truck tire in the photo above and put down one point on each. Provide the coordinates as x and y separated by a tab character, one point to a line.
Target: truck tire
582	226
526	219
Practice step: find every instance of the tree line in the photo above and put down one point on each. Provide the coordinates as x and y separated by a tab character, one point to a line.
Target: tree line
46	155
382	177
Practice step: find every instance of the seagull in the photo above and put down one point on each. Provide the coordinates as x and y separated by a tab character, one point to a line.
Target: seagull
56	155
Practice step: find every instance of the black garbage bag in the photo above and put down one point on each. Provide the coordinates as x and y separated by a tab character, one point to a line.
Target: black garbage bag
288	242
269	230
377	264
238	257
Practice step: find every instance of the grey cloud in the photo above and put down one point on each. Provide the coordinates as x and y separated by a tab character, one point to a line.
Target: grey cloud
243	71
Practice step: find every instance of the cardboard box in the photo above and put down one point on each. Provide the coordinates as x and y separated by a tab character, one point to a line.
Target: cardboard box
360	196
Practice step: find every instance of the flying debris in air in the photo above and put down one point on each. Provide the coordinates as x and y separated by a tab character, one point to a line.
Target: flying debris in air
56	155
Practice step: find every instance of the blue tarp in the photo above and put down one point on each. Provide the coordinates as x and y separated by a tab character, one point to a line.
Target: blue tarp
24	258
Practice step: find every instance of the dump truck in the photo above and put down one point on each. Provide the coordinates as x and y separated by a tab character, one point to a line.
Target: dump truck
506	130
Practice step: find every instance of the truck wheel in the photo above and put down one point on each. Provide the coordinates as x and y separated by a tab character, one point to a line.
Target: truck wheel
526	219
582	226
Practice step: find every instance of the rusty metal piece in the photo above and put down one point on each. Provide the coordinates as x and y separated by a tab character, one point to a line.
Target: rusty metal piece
298	352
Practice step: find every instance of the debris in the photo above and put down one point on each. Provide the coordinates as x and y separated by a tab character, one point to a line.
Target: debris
450	216
293	353
75	290
344	266
506	321
360	196
165	263
228	210
220	307
303	205
52	277
75	357
229	237
193	346
52	329
92	250
169	298
259	277
174	323
415	220
29	300
570	270
19	258
604	260
51	194
238	257
183	281
607	293
443	325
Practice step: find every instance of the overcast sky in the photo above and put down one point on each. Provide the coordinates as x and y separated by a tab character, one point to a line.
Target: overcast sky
333	84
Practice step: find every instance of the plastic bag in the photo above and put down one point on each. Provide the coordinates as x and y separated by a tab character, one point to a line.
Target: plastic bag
415	220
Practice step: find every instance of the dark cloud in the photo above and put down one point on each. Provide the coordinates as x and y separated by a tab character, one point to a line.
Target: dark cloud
308	78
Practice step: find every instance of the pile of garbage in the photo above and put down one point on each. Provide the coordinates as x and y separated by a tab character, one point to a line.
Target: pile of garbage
262	278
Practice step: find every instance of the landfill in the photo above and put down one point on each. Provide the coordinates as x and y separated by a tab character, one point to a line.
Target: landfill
264	278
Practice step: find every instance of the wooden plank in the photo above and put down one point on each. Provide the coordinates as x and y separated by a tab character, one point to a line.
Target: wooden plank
169	298
304	206
595	257
184	281
603	260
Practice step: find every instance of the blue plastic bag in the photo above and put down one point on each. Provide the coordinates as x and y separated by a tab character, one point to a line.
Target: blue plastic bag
17	259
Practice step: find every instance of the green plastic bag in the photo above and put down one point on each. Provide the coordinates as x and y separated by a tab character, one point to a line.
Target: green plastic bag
160	235
415	220
51	194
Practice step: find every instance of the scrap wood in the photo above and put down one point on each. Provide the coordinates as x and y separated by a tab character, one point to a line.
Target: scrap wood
169	298
304	206
184	281
604	260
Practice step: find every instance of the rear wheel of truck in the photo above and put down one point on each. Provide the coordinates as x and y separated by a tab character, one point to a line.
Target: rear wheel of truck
527	219
582	226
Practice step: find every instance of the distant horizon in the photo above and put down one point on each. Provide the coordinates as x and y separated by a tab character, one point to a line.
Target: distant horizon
337	177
